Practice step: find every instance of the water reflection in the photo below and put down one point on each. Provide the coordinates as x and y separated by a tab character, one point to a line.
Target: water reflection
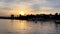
28	27
57	28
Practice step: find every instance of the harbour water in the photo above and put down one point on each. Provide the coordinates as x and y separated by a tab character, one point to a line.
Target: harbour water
28	27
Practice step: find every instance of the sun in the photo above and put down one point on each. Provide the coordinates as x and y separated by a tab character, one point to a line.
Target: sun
21	12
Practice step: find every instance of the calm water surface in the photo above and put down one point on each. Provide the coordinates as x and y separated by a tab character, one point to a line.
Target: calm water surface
28	27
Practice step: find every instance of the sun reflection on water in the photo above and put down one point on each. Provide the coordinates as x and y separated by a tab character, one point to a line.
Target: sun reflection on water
27	27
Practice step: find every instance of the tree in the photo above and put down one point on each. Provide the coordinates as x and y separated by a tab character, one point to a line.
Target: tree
12	16
56	14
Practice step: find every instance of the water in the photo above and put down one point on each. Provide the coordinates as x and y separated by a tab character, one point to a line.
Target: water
28	27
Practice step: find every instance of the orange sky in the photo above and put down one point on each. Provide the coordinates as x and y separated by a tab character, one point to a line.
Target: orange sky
26	12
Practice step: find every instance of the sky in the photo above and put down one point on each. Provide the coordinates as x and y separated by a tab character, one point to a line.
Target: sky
8	7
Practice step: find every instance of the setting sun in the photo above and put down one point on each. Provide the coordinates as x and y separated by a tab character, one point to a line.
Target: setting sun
21	12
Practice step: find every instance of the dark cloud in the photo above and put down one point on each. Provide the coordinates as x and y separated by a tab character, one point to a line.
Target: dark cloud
29	1
9	1
36	7
56	6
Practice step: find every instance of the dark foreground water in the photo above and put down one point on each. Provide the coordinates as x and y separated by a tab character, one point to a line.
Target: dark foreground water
28	27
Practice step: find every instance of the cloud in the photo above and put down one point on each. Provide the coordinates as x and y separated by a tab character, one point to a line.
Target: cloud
53	3
35	7
30	5
45	3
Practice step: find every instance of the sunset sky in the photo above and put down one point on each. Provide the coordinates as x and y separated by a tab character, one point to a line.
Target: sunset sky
8	7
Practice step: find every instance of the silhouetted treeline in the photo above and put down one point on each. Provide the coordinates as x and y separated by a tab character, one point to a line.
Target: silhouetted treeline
34	17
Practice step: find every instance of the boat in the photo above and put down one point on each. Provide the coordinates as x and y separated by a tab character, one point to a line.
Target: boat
57	21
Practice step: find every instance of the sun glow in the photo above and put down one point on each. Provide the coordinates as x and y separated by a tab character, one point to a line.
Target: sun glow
21	12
